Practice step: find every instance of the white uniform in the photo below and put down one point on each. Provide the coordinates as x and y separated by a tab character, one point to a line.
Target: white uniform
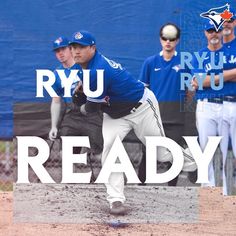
127	105
209	106
228	130
145	121
209	122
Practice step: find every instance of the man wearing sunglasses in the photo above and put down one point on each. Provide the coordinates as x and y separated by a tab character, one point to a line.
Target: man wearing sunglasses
161	73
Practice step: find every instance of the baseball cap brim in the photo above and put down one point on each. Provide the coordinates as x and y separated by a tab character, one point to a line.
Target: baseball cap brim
84	38
209	28
79	42
60	46
210	25
60	42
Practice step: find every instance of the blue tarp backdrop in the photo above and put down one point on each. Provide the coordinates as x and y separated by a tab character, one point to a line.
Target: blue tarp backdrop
126	31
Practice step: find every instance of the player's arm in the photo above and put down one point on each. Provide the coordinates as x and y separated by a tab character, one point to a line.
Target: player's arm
55	109
228	75
188	92
55	114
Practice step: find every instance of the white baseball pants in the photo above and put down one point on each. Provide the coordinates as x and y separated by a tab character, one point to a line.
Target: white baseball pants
228	130
145	121
209	121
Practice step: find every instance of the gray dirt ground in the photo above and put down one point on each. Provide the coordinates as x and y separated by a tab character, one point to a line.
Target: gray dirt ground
77	203
217	216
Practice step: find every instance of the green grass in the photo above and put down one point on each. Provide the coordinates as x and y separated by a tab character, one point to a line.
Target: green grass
3	147
6	186
234	191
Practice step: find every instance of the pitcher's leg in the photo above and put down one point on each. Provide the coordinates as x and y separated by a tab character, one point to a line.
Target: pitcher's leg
111	128
151	125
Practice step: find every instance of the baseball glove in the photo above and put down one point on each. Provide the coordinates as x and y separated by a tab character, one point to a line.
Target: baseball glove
79	98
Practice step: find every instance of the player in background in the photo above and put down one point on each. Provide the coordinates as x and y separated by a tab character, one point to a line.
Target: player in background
161	73
126	105
228	130
209	101
72	123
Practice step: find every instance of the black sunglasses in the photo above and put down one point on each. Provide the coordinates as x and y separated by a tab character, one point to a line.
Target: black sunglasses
211	31
231	20
171	40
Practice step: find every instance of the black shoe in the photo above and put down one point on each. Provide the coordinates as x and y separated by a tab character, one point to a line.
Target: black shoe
118	208
142	184
192	176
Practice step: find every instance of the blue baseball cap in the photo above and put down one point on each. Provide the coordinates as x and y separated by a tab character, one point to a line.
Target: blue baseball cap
83	37
60	43
209	25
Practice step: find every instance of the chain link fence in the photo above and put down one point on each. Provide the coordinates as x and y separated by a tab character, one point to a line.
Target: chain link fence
7	160
8	164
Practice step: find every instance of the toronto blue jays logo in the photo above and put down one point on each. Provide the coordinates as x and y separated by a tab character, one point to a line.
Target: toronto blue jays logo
218	15
176	68
58	41
78	36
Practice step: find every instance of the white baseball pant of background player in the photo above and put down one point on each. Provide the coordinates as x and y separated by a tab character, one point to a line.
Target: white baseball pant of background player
228	130
209	121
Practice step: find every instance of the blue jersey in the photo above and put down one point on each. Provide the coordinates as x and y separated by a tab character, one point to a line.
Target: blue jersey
59	87
119	85
163	77
121	90
208	92
230	63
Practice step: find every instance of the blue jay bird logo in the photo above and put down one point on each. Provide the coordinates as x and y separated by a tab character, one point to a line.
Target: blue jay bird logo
218	15
58	41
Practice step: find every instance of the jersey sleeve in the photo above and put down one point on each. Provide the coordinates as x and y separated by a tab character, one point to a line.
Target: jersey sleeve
57	85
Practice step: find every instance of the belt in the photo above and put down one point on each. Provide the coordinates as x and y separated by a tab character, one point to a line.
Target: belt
135	107
213	100
229	98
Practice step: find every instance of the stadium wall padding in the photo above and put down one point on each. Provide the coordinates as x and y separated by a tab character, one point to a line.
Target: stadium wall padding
126	31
